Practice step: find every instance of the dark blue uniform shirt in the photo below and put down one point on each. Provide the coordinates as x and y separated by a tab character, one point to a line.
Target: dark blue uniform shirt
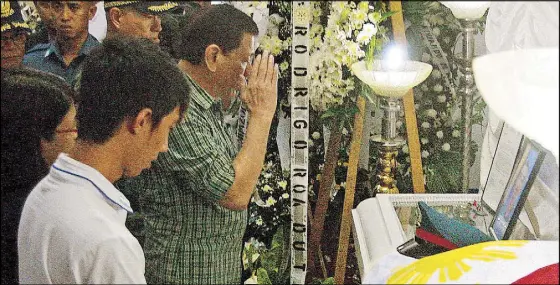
47	57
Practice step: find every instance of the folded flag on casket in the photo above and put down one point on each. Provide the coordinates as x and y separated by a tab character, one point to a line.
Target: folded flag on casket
447	232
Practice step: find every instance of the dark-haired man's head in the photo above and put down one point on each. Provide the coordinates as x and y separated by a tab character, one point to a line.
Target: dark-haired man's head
132	92
72	18
220	39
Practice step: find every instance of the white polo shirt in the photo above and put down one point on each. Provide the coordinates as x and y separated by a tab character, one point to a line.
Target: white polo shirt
72	230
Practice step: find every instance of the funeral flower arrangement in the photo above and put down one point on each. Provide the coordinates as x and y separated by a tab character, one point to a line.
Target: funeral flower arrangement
341	33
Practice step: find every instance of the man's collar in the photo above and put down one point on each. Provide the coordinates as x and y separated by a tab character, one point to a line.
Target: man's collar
72	169
86	48
200	96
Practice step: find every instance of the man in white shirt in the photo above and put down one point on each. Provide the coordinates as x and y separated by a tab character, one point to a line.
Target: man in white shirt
72	228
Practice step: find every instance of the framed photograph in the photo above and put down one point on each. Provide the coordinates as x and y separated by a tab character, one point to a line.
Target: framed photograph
527	164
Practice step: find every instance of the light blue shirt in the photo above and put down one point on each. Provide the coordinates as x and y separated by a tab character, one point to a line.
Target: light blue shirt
47	57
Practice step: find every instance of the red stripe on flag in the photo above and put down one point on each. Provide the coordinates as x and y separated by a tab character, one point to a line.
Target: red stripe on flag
543	275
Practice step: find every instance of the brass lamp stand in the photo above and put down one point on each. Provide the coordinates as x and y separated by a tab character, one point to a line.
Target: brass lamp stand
390	79
388	144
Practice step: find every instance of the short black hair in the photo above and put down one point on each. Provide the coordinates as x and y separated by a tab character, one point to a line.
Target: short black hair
121	77
33	105
222	24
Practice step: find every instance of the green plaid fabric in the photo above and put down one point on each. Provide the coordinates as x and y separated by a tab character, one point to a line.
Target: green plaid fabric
189	238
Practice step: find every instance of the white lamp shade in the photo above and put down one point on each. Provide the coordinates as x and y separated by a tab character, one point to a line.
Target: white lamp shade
521	87
391	83
468	10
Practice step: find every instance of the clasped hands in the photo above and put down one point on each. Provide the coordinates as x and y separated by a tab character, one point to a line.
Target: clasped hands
260	92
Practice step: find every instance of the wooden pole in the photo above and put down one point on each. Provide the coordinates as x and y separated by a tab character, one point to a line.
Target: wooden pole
414	147
323	197
346	220
397	23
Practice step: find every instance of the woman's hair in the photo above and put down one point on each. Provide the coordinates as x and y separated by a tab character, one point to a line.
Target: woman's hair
33	105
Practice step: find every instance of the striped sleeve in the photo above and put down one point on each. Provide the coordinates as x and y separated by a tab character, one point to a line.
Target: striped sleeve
197	157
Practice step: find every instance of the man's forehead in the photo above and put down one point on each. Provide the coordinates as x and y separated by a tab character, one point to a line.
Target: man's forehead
73	3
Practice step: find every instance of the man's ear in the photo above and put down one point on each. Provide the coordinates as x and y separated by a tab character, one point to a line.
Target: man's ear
142	120
211	56
92	10
114	15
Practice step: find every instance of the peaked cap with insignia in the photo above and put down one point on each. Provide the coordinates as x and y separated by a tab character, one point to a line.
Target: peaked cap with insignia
149	7
12	19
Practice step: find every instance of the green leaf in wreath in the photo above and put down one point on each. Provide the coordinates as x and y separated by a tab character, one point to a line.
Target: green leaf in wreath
262	276
387	15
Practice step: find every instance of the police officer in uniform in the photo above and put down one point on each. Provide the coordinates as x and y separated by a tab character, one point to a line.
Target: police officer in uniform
72	44
14	34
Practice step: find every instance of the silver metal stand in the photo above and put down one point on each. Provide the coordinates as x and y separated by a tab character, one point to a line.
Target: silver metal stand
388	144
466	90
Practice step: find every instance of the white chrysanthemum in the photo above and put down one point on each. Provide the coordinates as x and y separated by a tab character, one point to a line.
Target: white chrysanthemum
259	221
439	134
424	88
267	188
344	131
436	74
441	98
283	184
456	133
338	6
436	31
426	57
371	17
438	88
358	16
446	147
285	195
405	149
426	125
371	29
424	140
316	135
425	153
431	113
284	66
363	38
270	201
363	6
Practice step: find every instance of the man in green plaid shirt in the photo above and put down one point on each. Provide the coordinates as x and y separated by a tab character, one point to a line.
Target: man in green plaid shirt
197	193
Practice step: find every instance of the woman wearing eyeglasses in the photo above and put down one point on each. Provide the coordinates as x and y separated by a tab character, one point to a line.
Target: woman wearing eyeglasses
38	123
